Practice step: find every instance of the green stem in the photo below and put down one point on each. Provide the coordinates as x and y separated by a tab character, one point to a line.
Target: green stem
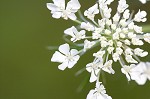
81	16
77	21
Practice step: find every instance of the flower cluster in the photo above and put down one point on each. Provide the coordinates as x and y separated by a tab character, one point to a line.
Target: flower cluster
113	34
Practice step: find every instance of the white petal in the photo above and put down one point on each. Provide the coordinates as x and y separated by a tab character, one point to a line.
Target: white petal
105	96
141	67
73	5
89	68
58	57
123	71
90	94
143	1
64	48
74	30
72	16
74	52
93	76
59	3
76	58
141	80
62	66
99	96
108	70
52	7
69	31
94	9
56	15
71	64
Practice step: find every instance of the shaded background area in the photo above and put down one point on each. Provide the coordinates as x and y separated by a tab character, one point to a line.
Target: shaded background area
26	30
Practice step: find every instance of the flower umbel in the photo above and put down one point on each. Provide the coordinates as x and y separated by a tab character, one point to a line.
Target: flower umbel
114	35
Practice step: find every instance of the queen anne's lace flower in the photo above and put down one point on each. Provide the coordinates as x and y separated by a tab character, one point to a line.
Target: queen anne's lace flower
75	34
91	12
107	67
112	34
128	70
98	93
88	44
141	73
94	69
140	16
87	26
147	37
58	9
67	57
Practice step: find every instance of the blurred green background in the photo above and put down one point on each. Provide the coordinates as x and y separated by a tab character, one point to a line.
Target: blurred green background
26	30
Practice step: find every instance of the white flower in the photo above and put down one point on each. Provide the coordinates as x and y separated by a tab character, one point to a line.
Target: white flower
103	3
119	50
108	67
91	12
58	9
96	34
143	1
104	43
108	32
129	59
88	44
128	51
141	73
101	23
99	54
127	70
147	37
131	25
113	26
131	35
110	42
98	93
119	44
107	12
116	17
110	49
102	38
140	52
116	57
136	41
126	14
116	36
112	35
122	6
127	42
108	22
140	16
67	57
94	68
123	22
87	26
138	29
75	34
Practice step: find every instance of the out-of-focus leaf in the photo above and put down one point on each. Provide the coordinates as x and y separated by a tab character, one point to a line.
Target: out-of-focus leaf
79	72
83	83
146	28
